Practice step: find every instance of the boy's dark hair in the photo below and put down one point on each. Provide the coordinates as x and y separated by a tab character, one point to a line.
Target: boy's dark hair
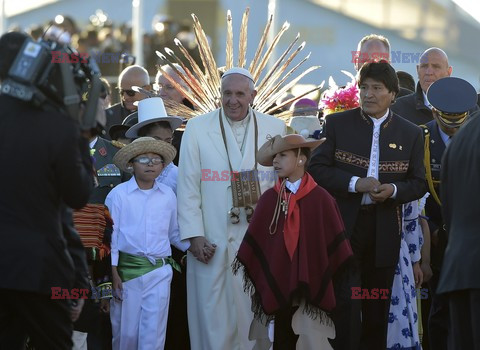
145	130
10	45
306	151
380	71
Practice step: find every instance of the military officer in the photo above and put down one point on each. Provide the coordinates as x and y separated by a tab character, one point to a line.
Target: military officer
451	99
94	225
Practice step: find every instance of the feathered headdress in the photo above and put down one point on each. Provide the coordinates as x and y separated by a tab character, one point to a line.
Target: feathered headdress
204	83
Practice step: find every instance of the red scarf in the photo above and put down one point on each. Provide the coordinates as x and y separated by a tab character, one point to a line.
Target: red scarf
291	228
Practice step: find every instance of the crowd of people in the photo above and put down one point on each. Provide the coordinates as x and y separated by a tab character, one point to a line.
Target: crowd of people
235	230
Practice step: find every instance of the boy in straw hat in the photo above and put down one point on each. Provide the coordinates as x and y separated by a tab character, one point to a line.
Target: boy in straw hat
144	213
153	121
293	246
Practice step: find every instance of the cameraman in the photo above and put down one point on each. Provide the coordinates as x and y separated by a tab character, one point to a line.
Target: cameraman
45	163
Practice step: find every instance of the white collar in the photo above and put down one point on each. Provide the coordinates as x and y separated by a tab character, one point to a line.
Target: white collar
92	144
237	123
380	120
426	101
293	186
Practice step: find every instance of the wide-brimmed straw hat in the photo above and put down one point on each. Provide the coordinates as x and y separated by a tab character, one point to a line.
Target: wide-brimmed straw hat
278	144
144	145
151	110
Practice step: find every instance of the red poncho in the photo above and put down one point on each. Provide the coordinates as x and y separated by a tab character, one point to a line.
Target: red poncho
272	278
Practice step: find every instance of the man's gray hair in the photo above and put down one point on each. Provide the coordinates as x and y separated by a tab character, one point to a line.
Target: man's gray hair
377	37
135	69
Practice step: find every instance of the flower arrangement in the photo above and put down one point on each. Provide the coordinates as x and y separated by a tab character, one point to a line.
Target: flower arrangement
338	99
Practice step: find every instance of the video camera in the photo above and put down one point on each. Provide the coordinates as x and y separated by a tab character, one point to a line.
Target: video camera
52	85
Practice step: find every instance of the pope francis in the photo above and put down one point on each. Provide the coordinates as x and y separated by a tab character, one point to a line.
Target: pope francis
216	146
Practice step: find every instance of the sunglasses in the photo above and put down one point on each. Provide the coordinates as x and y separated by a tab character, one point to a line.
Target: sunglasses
130	93
148	160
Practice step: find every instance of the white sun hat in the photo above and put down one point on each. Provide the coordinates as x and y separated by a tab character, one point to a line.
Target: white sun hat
151	110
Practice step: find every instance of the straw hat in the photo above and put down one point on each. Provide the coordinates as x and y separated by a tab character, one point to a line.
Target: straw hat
278	144
144	145
151	110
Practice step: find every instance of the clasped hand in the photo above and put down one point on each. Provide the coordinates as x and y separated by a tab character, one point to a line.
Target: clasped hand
202	249
377	191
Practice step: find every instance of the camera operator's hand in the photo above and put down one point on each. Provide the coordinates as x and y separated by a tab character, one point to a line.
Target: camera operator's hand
76	309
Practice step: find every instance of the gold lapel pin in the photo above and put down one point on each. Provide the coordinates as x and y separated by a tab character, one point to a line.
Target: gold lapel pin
392	145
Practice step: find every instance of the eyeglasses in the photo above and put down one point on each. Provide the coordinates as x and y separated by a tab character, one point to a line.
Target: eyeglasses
148	160
130	93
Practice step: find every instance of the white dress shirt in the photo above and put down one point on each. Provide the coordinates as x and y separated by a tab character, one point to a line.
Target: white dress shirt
240	129
426	101
145	221
93	142
168	177
293	186
374	160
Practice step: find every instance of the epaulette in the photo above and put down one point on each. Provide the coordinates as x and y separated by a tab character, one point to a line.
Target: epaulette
118	144
425	129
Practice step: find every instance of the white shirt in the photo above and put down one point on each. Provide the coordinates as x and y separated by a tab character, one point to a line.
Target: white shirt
92	143
145	222
240	129
426	101
168	177
293	186
374	160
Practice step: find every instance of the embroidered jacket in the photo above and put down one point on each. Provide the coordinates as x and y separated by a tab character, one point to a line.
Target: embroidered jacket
346	153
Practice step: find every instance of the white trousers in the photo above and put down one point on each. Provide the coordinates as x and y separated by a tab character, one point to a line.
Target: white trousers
140	320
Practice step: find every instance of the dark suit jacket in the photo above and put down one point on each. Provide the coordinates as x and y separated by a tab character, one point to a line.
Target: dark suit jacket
45	162
346	153
412	107
115	116
460	189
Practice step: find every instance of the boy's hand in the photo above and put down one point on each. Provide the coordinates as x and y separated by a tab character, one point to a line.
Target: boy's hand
117	285
76	309
202	249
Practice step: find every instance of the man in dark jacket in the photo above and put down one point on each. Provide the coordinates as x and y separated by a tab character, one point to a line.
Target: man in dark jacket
372	163
130	76
459	278
43	168
415	107
451	99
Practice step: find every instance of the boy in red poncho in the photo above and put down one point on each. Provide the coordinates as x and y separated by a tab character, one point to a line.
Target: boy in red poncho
294	244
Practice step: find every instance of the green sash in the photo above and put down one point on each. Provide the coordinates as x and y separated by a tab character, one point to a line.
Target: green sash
132	266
